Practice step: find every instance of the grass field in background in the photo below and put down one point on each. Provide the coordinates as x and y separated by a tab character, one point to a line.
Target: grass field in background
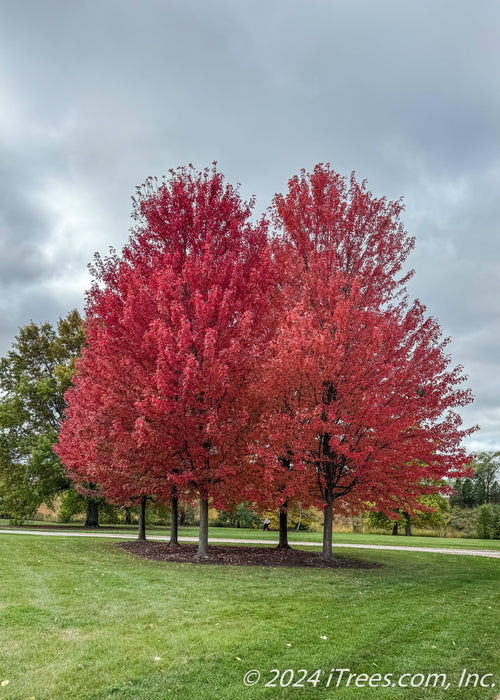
338	537
82	620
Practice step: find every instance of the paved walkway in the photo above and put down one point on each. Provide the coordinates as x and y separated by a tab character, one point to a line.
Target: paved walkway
213	540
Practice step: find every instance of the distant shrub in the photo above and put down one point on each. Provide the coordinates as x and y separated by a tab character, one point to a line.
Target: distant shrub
485	521
463	520
241	516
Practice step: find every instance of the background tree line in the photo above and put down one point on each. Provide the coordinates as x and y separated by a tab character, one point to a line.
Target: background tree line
483	486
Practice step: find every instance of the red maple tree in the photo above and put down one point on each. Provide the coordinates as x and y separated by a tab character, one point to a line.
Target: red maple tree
361	393
176	325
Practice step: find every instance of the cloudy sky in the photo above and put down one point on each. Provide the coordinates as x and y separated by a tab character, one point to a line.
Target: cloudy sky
96	95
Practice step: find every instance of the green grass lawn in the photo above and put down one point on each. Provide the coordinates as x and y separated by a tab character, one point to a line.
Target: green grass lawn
338	537
82	620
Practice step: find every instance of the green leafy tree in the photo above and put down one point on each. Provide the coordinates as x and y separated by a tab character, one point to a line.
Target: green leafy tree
74	504
463	520
239	516
465	494
483	487
486	470
435	518
456	498
485	522
496	521
33	378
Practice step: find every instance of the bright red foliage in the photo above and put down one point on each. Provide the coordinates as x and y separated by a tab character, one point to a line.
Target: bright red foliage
214	369
175	327
359	387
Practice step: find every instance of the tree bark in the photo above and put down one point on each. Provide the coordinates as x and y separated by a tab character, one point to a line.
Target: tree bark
407	524
300	518
92	517
395	528
181	517
283	539
142	519
202	552
328	530
174	542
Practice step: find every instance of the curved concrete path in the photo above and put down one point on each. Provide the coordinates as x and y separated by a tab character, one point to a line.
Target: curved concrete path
399	548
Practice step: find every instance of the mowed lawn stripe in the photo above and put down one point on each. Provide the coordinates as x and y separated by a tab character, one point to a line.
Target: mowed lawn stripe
82	619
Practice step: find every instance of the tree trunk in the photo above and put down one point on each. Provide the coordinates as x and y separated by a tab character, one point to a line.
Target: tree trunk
395	528
283	541
128	515
174	542
328	530
202	552
182	517
407	524
300	518
142	519
92	519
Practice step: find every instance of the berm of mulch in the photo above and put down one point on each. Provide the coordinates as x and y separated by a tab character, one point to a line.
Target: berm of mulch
240	556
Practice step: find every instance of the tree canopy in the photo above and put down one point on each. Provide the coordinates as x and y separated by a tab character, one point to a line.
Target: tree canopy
34	376
174	329
358	386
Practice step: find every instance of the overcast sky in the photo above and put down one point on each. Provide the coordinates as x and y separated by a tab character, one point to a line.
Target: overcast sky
96	95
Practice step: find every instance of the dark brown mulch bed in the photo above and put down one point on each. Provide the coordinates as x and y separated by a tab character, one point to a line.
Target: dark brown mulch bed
241	556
